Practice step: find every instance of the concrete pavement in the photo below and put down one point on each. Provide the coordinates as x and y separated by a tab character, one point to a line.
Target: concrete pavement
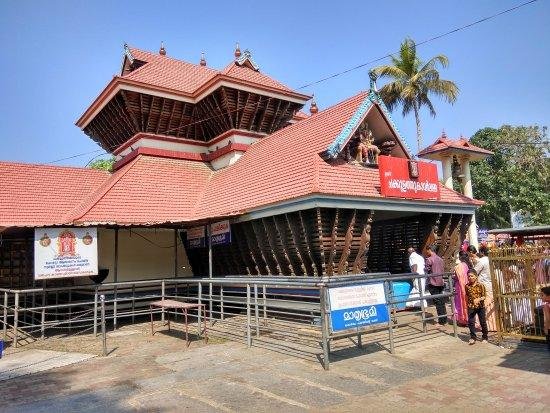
429	372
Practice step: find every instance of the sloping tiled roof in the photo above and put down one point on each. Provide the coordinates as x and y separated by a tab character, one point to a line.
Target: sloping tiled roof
166	72
147	191
150	190
37	195
288	165
244	73
442	143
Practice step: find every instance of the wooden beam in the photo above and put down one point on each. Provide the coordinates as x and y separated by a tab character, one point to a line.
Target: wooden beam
298	238
130	111
281	227
262	118
267	252
357	266
248	259
275	114
278	254
227	107
343	264
254	247
309	246
333	239
321	243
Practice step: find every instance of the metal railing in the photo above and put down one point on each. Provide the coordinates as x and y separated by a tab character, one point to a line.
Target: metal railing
290	314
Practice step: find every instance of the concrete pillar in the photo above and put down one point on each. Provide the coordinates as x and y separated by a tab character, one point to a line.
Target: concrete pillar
467	185
472	232
467	190
447	164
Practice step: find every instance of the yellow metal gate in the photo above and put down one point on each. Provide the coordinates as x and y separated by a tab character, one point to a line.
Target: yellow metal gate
517	274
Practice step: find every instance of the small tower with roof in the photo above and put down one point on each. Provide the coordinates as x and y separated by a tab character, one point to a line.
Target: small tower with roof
455	156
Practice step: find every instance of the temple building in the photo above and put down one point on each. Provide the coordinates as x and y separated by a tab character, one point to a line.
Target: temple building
335	191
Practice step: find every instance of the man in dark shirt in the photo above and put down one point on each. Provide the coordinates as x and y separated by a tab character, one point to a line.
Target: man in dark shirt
435	267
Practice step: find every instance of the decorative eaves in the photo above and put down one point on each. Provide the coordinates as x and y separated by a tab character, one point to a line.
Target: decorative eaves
347	131
246	57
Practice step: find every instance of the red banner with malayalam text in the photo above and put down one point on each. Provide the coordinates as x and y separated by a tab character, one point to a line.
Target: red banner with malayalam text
404	178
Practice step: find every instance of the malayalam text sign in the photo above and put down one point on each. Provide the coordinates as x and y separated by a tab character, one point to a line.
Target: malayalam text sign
64	252
357	306
398	180
196	237
220	233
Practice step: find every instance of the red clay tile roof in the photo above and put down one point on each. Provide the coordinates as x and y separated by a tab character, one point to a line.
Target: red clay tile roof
244	73
442	143
38	195
287	165
147	191
300	115
150	190
166	72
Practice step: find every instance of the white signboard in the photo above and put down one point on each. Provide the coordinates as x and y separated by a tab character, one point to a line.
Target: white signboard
64	252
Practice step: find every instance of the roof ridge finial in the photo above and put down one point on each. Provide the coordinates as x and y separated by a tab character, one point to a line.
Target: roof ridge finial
373	76
237	51
443	134
203	60
313	109
162	50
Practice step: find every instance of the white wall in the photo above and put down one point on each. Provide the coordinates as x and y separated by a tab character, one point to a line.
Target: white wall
141	255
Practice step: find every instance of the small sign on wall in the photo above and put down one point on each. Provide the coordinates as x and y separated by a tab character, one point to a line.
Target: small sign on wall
64	252
357	306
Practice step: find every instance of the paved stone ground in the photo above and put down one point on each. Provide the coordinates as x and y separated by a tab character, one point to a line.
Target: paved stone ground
35	361
429	372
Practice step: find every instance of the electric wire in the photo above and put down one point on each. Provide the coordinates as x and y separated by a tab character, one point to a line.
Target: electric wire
431	39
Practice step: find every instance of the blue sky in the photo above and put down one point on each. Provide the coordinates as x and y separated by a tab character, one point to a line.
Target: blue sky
59	55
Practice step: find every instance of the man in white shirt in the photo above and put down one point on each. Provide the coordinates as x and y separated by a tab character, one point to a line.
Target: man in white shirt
417	264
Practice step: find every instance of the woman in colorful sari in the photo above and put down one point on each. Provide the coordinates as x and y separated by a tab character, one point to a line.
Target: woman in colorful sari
460	281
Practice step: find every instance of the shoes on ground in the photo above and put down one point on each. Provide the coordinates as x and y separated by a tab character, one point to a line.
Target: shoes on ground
484	341
471	341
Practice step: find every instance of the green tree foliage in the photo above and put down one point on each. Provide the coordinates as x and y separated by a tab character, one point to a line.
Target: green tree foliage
515	178
103	164
413	81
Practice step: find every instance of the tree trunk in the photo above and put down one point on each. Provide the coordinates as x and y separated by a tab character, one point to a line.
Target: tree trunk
418	130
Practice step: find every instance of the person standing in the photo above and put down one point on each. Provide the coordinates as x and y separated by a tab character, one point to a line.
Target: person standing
545	297
435	267
475	295
460	281
417	264
484	276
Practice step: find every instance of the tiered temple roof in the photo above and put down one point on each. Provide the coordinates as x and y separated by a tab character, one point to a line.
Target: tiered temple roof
161	96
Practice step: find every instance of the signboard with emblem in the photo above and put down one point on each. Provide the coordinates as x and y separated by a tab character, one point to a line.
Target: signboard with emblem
404	178
357	306
65	252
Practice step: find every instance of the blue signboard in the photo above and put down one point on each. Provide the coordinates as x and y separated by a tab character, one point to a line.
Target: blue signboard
220	233
357	306
196	237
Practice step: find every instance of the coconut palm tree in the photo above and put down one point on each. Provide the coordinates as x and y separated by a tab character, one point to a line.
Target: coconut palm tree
413	81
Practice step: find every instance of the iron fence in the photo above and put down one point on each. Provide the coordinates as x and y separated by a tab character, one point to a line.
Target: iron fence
285	313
